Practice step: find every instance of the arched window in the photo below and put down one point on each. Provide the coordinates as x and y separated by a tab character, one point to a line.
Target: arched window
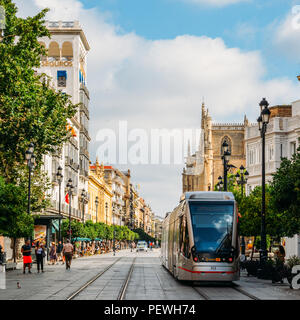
53	51
228	140
67	51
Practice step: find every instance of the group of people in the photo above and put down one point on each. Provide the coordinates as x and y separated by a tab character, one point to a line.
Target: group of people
63	252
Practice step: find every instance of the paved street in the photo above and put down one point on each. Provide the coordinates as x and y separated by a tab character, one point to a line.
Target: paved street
148	281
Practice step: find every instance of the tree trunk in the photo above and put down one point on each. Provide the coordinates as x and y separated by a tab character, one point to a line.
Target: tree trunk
252	252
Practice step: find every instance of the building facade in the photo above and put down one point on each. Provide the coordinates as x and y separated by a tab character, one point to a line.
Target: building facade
205	166
66	64
283	132
98	187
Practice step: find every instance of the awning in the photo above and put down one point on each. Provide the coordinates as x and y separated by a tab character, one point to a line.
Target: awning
55	225
81	239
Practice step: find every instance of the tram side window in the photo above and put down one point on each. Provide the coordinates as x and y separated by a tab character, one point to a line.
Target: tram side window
184	238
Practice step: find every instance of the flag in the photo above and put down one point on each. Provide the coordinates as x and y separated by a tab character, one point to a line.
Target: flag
67	198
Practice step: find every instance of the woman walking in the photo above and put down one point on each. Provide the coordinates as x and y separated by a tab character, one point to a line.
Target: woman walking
40	254
53	256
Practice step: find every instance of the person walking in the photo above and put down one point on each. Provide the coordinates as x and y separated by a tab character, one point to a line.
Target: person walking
53	256
26	252
40	255
59	250
68	253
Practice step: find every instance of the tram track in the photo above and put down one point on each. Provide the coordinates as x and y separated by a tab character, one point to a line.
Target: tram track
124	286
205	294
122	292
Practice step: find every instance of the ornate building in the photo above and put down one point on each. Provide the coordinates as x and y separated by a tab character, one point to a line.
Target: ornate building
98	187
205	166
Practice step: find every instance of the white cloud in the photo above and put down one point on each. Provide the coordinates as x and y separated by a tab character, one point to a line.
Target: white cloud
160	84
288	33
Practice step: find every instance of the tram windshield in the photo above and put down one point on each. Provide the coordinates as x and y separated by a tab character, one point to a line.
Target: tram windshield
212	225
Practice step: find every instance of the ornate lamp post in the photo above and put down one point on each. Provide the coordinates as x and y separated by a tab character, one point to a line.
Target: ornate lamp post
263	121
241	179
83	201
96	203
59	177
30	157
225	157
70	189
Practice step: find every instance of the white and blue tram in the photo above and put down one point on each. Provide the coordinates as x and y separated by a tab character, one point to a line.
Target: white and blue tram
200	238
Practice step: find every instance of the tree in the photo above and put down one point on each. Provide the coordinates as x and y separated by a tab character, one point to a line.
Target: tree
77	229
14	220
286	193
31	111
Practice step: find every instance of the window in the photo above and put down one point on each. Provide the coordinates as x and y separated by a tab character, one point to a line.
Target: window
293	148
62	78
54	51
281	153
184	241
67	51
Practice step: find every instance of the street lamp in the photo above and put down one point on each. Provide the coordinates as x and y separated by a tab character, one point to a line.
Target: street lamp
96	203
242	178
30	157
59	177
225	157
263	121
70	189
83	201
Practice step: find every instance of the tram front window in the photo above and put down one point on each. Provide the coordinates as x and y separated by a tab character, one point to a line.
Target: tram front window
212	225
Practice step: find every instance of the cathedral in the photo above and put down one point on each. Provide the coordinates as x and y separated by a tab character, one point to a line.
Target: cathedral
205	166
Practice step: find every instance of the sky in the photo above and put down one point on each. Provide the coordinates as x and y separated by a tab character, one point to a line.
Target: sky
152	63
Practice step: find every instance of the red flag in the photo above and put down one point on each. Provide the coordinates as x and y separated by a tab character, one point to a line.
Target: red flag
67	198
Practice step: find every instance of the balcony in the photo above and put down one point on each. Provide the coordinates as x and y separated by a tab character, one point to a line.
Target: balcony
84	109
71	163
84	152
84	131
84	173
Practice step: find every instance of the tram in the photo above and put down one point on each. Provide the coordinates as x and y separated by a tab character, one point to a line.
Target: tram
200	238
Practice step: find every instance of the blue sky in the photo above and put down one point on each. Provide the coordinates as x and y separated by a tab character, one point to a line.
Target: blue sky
166	19
152	61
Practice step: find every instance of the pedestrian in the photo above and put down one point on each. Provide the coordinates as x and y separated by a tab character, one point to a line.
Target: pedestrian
68	253
59	249
280	253
26	251
53	257
40	255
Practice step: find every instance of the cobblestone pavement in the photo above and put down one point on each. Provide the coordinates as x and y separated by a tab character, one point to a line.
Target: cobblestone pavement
149	281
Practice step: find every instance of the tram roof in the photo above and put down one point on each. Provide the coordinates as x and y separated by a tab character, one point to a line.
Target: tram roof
207	195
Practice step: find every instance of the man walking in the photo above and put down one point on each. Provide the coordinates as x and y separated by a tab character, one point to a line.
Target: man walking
68	253
26	251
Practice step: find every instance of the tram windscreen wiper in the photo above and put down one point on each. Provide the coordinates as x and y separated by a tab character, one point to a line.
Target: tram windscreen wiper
225	245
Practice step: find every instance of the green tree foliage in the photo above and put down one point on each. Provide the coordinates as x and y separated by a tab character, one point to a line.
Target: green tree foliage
14	220
143	235
286	193
31	111
77	227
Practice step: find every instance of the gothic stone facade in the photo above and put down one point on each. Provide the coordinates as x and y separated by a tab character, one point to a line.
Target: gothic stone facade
205	166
